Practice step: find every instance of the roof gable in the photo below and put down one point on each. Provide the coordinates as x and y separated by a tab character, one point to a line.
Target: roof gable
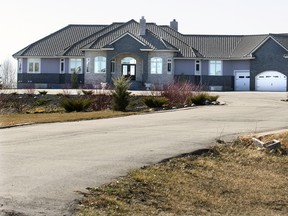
266	39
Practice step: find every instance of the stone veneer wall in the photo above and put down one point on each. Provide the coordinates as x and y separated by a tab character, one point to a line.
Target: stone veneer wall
166	77
92	78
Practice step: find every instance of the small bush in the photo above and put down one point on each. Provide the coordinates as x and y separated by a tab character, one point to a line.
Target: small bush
101	102
179	93
74	80
120	95
43	92
200	98
75	104
87	92
203	98
155	102
213	97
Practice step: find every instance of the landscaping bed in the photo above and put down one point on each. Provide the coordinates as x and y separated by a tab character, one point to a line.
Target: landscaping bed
22	108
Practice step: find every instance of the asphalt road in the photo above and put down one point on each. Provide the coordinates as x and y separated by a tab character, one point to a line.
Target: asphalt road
43	166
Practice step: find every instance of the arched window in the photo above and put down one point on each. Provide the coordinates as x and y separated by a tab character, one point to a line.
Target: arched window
128	60
100	64
156	65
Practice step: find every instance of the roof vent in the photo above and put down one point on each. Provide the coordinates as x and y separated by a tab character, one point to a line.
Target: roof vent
174	24
142	26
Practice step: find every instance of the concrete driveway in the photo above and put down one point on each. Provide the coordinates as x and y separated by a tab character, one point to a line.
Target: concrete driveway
43	166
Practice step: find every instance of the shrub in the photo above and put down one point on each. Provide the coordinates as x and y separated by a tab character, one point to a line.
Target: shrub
87	92
213	97
155	102
74	80
200	98
43	92
203	98
120	95
75	104
101	102
179	93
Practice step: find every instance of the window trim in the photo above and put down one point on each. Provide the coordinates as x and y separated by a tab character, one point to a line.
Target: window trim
198	63
34	61
105	63
154	60
216	61
113	66
169	66
81	66
62	62
20	65
87	65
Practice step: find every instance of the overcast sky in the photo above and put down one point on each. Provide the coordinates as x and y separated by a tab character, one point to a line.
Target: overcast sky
22	22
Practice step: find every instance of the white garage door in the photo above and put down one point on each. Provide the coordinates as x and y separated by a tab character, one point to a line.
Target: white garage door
271	81
242	80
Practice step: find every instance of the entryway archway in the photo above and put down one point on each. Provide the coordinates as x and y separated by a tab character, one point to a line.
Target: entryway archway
128	68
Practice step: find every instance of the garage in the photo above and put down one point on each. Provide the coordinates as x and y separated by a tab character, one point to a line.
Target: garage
242	81
271	81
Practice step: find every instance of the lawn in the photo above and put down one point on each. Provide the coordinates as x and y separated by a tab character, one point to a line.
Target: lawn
230	179
7	120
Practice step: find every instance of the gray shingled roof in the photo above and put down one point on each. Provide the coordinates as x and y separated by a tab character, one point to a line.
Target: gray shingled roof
73	39
282	39
57	42
151	40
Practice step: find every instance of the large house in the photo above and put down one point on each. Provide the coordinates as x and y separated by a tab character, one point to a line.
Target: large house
154	54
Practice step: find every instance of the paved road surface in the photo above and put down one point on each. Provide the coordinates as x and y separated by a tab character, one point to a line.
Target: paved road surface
42	166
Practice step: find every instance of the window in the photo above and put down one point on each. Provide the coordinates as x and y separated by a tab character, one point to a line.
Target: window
197	67
112	65
19	65
156	65
75	65
33	65
100	64
169	66
62	65
87	65
215	68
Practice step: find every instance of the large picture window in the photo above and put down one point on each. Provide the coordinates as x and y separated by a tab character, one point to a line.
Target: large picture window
100	64
215	68
33	65
75	65
156	65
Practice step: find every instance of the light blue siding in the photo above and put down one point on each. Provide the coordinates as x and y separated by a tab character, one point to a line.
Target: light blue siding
230	66
184	66
50	66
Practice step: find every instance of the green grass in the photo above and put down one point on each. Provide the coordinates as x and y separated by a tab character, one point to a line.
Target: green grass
232	179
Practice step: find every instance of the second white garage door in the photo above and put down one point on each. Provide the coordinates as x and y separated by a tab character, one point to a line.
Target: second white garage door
271	81
242	80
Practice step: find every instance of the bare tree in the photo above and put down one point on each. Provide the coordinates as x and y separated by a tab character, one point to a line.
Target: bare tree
8	74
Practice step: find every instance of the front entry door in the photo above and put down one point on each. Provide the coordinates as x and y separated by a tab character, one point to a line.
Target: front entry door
129	71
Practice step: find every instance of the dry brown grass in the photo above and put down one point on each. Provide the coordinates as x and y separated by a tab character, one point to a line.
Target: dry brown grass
19	119
230	180
283	137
